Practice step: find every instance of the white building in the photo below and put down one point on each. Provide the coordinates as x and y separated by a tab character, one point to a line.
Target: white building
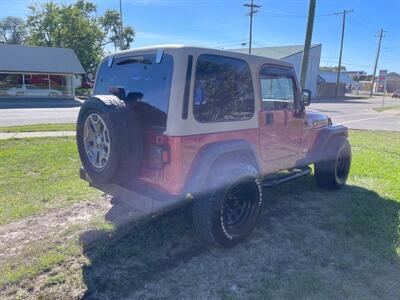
294	54
29	71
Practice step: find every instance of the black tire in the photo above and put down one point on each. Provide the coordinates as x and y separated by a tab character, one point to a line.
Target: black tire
211	211
125	139
332	173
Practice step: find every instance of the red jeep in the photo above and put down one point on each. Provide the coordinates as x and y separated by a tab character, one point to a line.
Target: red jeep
171	125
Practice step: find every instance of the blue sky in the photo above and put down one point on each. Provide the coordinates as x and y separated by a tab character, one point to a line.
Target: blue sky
224	24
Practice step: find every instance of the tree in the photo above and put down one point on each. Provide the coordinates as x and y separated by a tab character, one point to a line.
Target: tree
12	30
76	26
333	69
111	23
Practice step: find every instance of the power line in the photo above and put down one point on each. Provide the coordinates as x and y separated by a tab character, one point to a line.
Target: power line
344	12
252	11
286	16
365	23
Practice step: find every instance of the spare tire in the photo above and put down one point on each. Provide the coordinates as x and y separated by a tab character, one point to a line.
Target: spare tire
109	139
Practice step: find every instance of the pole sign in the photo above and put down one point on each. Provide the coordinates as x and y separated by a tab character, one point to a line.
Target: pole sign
382	81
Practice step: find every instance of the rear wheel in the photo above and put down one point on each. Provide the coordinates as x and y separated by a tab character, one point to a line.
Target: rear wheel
229	211
333	172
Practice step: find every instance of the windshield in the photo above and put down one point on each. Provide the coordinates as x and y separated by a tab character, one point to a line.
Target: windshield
140	74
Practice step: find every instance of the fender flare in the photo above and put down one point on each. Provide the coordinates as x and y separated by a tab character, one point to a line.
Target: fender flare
323	138
214	152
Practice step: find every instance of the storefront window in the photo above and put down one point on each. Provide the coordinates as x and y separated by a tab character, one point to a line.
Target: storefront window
40	85
61	85
10	84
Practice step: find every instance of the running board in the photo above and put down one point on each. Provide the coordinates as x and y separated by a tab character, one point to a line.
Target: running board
285	178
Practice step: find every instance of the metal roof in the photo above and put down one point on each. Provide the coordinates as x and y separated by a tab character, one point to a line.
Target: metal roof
331	77
21	58
278	52
393	75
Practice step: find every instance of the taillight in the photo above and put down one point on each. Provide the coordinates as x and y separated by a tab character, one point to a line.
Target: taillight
159	153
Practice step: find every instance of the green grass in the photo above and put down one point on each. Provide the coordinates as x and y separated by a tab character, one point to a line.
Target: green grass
376	169
13	273
39	127
376	163
38	174
381	109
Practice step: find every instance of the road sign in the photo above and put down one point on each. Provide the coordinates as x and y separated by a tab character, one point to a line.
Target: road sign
381	86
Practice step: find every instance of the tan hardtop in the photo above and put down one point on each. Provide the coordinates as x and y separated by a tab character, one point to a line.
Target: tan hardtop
176	49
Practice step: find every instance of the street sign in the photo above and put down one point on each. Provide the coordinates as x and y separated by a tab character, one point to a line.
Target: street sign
381	86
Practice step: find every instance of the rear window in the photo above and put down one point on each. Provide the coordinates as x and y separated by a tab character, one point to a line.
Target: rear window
140	73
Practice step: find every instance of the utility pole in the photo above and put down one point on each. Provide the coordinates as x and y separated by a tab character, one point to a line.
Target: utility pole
376	61
307	43
253	10
121	40
344	12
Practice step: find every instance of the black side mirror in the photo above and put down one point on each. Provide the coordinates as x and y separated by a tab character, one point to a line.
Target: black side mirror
118	91
134	97
305	97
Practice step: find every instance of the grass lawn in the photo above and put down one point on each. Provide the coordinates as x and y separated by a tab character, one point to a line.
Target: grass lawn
39	127
38	174
309	243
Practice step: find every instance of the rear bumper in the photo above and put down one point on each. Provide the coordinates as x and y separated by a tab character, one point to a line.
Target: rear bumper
143	199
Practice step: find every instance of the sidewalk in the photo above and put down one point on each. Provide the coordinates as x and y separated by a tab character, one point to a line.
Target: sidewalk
36	134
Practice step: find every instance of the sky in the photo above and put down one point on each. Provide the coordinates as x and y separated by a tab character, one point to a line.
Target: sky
224	24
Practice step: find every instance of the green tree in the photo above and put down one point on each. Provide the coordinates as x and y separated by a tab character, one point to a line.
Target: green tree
76	26
111	23
333	69
12	30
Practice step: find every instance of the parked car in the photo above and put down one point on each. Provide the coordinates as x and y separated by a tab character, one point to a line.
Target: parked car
396	94
172	125
32	90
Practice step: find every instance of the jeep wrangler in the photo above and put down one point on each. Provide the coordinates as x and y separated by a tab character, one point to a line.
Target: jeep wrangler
170	125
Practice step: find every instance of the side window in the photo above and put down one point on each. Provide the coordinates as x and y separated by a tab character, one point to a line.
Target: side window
223	89
277	89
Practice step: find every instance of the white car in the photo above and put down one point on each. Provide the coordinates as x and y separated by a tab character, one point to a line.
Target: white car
32	90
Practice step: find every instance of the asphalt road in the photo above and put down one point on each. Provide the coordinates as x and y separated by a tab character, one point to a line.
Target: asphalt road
27	116
357	114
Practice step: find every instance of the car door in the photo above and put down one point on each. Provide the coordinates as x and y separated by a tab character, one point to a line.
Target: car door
282	126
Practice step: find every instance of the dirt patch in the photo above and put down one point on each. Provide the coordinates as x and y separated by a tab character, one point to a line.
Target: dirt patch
15	236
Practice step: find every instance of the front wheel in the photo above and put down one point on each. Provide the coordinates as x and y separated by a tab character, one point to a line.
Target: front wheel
228	212
333	171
